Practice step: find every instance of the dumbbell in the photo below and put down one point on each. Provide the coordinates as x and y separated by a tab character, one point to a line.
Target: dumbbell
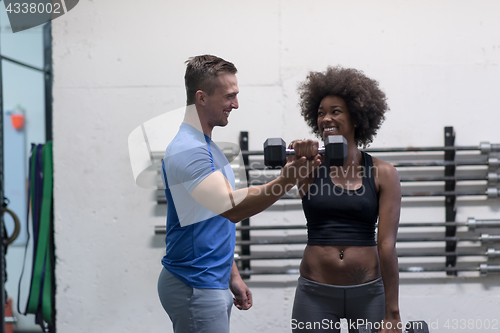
334	151
410	327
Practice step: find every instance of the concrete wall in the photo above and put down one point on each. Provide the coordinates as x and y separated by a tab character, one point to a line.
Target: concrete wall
118	64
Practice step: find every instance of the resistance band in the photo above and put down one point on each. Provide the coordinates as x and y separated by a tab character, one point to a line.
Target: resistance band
40	300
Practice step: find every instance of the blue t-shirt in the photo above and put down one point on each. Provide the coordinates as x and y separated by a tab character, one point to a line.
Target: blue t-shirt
200	244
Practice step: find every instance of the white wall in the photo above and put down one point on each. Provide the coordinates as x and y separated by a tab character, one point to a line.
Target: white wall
118	64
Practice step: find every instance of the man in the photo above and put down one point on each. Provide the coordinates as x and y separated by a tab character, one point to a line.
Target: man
203	206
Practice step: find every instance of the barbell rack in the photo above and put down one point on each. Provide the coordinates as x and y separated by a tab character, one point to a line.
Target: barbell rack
415	167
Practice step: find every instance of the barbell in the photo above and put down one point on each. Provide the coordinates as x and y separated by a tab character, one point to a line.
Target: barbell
484	147
472	224
301	239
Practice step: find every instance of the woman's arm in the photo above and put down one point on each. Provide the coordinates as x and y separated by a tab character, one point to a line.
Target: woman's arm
389	189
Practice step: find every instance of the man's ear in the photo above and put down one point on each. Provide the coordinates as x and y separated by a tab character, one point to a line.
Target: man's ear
201	97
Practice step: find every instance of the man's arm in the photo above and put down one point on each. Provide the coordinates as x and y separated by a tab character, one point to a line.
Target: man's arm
242	295
216	194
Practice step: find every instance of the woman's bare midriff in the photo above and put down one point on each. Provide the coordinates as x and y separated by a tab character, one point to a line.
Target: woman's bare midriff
340	265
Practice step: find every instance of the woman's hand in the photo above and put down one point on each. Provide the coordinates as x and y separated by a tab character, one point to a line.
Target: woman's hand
392	324
309	149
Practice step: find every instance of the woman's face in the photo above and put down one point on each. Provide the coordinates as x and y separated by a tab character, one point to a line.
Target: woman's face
334	118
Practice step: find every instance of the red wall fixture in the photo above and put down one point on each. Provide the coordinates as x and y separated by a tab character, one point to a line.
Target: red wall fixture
17	121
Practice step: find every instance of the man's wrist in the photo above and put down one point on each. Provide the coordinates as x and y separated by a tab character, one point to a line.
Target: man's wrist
287	181
287	185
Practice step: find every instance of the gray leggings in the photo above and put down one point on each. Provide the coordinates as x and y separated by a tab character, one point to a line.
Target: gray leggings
318	307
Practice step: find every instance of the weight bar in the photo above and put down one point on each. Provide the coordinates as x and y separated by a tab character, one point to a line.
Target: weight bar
491	177
493	163
294	255
490	253
484	239
302	239
491	193
471	223
484	148
271	227
335	151
483	269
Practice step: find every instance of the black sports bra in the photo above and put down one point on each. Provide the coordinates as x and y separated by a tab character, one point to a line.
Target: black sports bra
338	216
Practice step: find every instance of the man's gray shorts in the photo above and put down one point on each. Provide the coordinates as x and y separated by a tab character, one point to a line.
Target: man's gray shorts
194	310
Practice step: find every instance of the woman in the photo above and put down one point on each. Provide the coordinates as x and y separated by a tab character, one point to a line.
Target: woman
345	272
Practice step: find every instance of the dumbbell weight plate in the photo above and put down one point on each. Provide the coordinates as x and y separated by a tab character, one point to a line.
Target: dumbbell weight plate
336	150
274	153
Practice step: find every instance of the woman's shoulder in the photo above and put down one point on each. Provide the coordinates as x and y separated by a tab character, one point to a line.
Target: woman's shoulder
384	170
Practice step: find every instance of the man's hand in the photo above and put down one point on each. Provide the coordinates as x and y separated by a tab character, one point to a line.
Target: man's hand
242	295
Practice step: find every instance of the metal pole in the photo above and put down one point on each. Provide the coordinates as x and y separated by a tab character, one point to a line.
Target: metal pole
490	253
492	163
490	193
47	60
471	223
484	269
485	148
48	78
245	234
2	247
22	64
450	178
302	239
492	179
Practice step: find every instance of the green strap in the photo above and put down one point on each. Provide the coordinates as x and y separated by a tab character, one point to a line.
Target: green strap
32	180
42	272
36	274
46	219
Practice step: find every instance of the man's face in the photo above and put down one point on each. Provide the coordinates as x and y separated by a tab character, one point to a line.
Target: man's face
219	105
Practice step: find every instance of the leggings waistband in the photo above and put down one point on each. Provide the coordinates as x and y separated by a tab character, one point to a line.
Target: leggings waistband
375	286
337	286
